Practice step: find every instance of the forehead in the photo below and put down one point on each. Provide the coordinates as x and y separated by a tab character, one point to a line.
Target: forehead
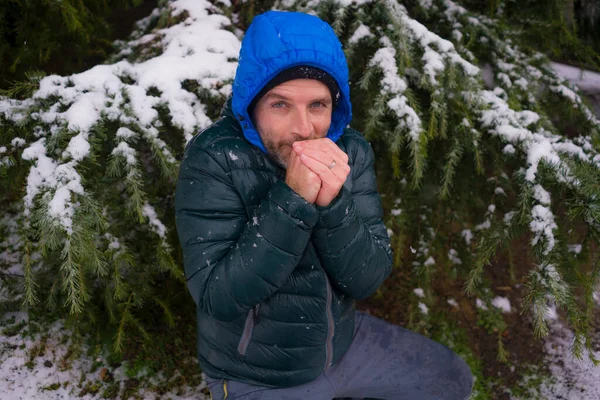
299	89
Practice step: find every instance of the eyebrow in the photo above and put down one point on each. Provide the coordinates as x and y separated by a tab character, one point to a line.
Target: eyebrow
282	97
325	100
276	95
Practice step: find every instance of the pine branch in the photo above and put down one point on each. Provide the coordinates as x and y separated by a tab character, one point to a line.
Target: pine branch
119	342
167	264
489	241
502	355
339	23
167	312
31	286
418	150
73	281
24	89
453	158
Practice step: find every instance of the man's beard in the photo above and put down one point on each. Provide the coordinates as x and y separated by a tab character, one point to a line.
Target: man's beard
275	150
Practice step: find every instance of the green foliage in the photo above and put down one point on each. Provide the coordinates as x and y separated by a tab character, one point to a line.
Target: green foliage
490	318
13	330
529	385
92	265
54	35
450	143
53	386
563	29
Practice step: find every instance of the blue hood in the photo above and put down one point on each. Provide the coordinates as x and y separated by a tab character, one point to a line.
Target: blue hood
278	40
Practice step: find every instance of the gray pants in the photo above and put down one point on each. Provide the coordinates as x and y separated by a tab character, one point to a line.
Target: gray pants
384	361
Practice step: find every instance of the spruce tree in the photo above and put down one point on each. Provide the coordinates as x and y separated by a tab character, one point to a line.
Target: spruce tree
54	35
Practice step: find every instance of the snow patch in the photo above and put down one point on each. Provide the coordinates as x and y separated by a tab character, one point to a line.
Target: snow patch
479	304
543	226
155	224
22	379
509	149
17	142
453	257
361	32
125	151
499	191
572	378
587	81
429	261
502	303
467	235
392	85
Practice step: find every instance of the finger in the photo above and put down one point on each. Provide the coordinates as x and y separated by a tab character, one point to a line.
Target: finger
328	176
325	157
292	160
298	165
294	164
324	145
336	150
330	183
339	169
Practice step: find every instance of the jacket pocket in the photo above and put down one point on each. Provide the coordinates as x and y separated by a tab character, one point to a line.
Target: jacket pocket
251	320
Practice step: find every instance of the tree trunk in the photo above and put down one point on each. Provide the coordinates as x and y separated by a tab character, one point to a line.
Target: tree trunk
569	12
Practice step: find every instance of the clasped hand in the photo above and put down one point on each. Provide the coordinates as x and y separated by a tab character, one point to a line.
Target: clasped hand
317	170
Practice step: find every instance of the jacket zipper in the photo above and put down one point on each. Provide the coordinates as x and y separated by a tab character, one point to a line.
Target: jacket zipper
330	327
251	321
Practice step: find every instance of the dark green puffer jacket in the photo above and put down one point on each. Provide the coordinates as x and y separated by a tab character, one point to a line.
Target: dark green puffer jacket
273	276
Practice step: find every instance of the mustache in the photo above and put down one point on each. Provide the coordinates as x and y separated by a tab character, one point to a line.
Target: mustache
292	140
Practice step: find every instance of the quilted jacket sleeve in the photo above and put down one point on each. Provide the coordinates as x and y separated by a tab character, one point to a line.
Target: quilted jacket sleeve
350	236
233	262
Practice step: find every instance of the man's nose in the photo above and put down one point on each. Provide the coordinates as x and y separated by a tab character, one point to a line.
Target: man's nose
301	125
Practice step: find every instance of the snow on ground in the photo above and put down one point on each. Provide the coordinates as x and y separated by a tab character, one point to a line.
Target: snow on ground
572	379
587	81
502	303
452	302
53	374
480	304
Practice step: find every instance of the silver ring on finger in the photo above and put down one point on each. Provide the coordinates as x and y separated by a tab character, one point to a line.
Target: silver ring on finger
332	164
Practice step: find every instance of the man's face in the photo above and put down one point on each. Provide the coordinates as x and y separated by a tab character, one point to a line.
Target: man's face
295	110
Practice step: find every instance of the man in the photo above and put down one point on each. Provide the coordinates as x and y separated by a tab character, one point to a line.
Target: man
280	222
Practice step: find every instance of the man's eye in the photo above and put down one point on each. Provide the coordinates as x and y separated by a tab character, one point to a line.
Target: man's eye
279	104
318	104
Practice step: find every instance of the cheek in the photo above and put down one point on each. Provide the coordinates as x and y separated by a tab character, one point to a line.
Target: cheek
321	125
273	126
